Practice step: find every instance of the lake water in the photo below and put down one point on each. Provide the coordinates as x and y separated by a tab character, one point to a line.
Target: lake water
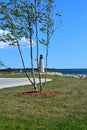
63	71
70	71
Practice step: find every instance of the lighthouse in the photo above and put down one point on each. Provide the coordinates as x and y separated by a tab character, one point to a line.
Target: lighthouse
41	64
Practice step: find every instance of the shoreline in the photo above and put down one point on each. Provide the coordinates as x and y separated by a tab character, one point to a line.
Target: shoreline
83	76
70	75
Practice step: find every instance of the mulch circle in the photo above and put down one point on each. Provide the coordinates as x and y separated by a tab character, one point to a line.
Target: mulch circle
40	93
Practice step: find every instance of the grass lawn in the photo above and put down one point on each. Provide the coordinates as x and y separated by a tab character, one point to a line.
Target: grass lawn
67	111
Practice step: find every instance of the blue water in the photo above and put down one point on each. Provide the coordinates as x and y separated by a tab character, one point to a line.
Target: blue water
70	71
63	71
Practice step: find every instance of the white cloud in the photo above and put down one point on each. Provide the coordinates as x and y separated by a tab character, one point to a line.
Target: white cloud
3	32
23	42
4	45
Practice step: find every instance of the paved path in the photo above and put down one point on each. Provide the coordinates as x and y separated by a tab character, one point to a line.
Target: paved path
12	82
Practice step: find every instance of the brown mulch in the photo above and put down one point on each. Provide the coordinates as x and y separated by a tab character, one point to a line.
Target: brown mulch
40	93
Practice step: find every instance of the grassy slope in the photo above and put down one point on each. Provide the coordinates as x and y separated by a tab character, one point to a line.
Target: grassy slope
65	112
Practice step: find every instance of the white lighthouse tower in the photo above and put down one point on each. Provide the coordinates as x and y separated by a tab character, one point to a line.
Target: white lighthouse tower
41	64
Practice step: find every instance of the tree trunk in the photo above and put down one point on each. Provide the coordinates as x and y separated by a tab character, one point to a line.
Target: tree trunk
47	53
24	64
37	45
31	55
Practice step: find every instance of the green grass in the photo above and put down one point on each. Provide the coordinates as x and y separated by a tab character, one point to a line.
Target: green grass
65	112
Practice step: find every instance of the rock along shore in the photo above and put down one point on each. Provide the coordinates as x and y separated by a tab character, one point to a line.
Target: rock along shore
70	75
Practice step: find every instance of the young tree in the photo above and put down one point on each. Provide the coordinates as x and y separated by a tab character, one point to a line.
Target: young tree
47	27
37	16
24	18
17	17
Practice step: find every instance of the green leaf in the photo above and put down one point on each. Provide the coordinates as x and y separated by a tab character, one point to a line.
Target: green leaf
58	14
42	41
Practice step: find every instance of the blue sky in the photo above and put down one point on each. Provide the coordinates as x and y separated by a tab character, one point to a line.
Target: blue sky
68	47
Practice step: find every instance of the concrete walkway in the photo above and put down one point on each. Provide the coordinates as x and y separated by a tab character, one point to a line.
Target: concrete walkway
13	82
